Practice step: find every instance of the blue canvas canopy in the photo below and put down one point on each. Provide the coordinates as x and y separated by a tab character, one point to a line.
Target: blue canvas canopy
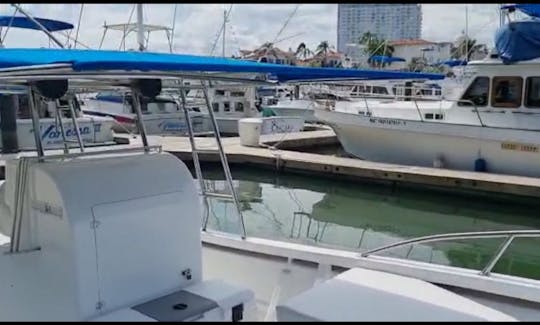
518	41
530	9
98	60
386	59
23	22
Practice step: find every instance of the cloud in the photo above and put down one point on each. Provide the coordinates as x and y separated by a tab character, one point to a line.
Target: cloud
249	25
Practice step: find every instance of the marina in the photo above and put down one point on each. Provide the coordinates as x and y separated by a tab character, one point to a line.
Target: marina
340	184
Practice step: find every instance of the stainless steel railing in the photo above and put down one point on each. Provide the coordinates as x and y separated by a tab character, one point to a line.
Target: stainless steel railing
509	236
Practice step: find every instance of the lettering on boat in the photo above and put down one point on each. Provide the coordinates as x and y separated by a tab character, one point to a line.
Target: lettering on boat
53	133
172	126
519	147
387	121
47	208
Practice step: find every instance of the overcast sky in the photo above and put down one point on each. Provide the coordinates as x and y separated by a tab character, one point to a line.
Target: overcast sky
249	25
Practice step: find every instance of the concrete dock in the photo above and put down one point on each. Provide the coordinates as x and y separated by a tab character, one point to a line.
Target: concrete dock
280	152
284	158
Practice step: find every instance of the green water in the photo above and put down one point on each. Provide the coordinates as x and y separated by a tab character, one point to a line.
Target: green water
358	216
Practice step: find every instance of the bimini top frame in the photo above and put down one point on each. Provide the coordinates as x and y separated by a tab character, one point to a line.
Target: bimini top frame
175	65
71	68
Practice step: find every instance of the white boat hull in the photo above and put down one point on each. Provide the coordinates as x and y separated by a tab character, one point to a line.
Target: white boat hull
417	143
93	130
295	108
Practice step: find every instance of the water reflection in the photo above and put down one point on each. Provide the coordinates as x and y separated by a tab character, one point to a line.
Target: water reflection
357	216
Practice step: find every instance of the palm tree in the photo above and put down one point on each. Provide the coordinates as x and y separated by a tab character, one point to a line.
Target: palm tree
303	51
322	50
375	46
464	49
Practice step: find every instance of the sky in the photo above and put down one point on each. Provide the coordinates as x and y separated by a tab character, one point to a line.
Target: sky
250	25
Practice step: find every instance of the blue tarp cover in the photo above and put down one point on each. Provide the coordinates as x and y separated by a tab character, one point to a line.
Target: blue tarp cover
23	22
386	59
92	60
454	63
518	41
531	9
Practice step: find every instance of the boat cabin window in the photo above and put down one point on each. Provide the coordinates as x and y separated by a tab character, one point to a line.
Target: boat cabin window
239	107
237	94
506	92
477	93
380	90
215	107
532	92
220	92
226	106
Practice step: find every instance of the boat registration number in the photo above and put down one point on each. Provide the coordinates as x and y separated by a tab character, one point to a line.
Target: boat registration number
386	121
519	147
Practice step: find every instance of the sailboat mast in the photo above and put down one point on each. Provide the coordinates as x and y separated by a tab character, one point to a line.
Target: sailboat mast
224	29
140	27
466	32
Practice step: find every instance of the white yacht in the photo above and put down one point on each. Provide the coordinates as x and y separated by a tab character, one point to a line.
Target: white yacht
493	126
313	96
115	235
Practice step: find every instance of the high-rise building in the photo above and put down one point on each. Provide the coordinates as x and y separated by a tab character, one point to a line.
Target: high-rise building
387	21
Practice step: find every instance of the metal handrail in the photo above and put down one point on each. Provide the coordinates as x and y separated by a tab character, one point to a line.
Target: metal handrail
157	148
509	236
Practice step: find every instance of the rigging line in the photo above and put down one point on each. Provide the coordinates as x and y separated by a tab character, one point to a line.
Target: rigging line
64	33
123	41
220	30
173	25
286	23
78	26
3	39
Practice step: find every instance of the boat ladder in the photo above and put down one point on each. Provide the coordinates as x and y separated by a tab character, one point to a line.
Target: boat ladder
206	193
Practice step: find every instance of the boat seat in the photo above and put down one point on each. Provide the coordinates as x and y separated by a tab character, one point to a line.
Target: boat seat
366	295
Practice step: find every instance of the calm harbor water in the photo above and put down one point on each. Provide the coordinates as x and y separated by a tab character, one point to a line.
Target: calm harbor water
359	216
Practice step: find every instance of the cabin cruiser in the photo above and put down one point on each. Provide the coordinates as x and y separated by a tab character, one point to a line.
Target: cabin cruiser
162	114
493	126
86	235
233	103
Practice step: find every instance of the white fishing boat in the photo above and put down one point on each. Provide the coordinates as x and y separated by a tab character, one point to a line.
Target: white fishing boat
162	114
313	96
17	131
493	126
88	242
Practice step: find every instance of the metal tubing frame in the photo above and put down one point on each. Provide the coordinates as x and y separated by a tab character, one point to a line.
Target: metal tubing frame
71	100
61	123
35	121
223	157
16	239
45	30
198	171
19	187
509	236
140	124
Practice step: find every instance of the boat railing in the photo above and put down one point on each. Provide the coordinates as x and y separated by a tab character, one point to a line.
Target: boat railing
155	148
467	101
508	235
